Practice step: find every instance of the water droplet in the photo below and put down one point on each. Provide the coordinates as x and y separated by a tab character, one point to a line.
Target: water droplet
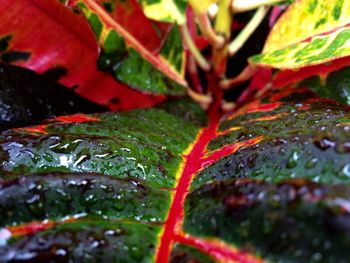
311	163
110	233
343	148
33	199
327	244
298	253
4	236
324	144
282	151
317	256
239	167
346	170
90	198
257	173
251	160
293	160
279	141
41	241
61	252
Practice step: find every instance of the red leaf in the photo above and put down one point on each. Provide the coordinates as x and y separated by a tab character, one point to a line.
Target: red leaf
57	37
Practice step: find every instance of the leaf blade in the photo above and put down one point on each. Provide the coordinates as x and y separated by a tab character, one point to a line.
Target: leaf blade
67	43
150	62
309	33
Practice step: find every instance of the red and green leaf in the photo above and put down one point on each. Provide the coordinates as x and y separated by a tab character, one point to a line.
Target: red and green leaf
66	47
310	32
160	72
260	183
27	98
329	80
268	181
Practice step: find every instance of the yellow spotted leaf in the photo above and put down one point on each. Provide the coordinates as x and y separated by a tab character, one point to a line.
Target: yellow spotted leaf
310	32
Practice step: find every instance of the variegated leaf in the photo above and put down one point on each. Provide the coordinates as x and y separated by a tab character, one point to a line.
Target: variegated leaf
173	11
310	32
45	36
330	80
130	61
269	181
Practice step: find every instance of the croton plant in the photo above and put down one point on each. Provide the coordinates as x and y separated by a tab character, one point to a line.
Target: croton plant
201	155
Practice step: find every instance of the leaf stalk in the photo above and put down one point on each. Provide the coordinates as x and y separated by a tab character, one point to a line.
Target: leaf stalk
238	6
201	61
247	31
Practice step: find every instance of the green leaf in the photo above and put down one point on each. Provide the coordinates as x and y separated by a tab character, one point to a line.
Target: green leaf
336	85
131	62
310	32
280	197
73	194
300	136
293	221
87	241
141	144
262	182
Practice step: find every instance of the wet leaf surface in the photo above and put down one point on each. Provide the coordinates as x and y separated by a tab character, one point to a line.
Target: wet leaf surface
27	98
268	181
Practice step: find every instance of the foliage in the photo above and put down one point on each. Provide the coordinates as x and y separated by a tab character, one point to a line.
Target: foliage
186	178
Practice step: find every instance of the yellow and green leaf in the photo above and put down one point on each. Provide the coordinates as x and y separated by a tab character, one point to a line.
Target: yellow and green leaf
310	32
173	11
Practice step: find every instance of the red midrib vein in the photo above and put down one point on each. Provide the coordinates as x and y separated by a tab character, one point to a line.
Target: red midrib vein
193	162
192	165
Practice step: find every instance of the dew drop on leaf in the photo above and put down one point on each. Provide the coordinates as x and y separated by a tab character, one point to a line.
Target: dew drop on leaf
293	160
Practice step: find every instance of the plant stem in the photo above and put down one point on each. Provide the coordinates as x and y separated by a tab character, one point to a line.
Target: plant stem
222	26
238	6
246	74
248	30
203	100
193	74
205	26
202	62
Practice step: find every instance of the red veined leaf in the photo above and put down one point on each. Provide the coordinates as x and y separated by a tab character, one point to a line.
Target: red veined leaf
66	47
161	72
310	32
286	77
258	184
329	80
327	83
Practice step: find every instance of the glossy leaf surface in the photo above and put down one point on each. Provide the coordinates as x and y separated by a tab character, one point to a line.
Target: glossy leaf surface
28	98
269	181
310	32
67	49
329	80
143	144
